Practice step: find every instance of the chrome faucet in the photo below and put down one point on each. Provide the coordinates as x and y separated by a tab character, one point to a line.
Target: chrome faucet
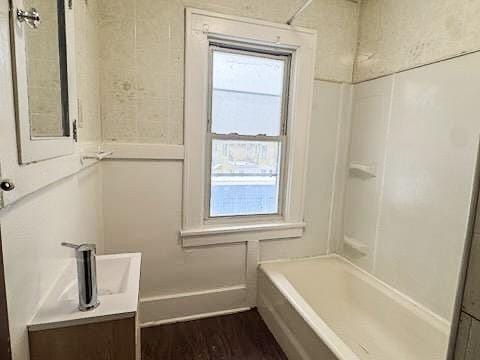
87	275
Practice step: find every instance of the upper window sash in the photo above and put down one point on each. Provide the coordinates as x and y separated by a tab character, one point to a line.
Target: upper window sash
245	49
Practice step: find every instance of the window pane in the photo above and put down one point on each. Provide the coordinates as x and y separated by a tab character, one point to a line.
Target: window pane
245	177
246	94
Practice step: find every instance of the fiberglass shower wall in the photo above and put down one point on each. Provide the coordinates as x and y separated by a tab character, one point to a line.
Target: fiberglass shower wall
412	160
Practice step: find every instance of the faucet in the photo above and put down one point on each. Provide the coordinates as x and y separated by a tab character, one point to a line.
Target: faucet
87	275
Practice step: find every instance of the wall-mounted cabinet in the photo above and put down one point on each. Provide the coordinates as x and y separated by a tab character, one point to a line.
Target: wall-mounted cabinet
38	148
43	50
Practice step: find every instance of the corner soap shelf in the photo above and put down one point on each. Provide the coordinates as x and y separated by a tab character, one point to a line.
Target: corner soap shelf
367	169
355	244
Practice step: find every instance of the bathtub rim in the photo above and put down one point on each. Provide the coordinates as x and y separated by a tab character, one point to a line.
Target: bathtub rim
320	327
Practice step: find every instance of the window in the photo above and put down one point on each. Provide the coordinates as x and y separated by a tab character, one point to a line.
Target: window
248	100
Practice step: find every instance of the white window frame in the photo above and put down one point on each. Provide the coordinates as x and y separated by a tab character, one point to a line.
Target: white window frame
202	29
285	56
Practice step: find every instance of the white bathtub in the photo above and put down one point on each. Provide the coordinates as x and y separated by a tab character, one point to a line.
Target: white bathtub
327	308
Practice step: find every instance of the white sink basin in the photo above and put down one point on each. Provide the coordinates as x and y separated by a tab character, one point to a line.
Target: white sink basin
118	279
112	277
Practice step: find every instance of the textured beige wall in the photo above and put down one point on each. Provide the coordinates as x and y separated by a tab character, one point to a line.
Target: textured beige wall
396	35
88	70
142	53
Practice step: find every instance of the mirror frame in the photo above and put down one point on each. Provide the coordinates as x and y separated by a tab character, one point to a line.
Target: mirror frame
41	148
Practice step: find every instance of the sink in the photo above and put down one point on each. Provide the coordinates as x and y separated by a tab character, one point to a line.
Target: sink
112	277
118	279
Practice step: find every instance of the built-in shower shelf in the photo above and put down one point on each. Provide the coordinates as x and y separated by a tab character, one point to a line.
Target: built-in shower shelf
356	244
367	169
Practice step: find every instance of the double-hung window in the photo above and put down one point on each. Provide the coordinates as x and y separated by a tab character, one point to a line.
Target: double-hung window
248	98
247	130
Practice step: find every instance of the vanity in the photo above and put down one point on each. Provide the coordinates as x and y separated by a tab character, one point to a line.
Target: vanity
60	331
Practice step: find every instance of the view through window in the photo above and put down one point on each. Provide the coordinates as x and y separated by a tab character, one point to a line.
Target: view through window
247	132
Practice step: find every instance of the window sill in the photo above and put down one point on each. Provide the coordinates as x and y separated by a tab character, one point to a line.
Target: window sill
240	233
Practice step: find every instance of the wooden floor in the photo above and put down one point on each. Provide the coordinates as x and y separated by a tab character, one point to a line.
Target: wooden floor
241	336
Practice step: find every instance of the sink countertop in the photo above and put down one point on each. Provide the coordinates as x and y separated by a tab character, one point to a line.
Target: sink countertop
118	278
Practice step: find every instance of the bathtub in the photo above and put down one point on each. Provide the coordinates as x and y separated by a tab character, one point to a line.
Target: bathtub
327	308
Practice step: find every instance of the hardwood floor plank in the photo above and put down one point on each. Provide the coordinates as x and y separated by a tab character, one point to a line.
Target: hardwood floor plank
241	336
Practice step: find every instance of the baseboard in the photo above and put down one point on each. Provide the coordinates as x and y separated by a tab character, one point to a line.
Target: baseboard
194	317
192	305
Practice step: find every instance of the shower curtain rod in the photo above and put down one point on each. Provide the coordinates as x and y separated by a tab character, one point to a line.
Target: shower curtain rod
304	6
300	9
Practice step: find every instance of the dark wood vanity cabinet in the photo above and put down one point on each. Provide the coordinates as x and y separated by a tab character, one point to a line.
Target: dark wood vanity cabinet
101	340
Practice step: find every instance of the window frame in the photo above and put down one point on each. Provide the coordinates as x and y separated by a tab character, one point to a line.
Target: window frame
201	29
247	49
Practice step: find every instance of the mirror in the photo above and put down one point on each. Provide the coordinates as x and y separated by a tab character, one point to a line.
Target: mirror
46	65
41	32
